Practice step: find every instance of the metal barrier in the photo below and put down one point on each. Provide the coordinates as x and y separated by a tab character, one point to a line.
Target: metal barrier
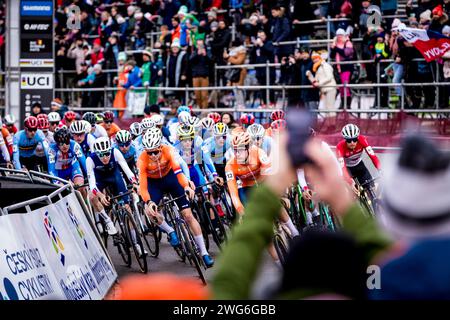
283	88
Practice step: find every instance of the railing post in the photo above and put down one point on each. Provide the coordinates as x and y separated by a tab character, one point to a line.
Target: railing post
437	87
328	37
233	31
345	96
61	79
186	96
283	98
105	96
378	82
267	82
402	105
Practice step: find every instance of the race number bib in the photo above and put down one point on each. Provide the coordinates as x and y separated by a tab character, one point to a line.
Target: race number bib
229	176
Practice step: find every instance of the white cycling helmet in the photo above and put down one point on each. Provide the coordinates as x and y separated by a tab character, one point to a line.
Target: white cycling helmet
78	127
87	125
54	117
256	131
147	123
102	145
152	139
136	129
220	129
9	119
157	119
350	131
207	123
194	121
183	117
123	136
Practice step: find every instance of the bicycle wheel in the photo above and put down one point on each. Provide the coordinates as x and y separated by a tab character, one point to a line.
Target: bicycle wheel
229	208
201	220
148	229
219	234
193	253
131	226
121	241
180	249
280	247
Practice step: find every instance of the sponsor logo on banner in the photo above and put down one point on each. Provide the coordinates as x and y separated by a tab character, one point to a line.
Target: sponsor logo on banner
36	63
10	291
36	8
54	237
36	26
36	81
77	225
33	46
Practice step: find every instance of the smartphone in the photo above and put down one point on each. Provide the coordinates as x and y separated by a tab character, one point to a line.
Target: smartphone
299	124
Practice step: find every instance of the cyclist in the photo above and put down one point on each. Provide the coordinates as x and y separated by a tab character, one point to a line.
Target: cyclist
349	152
159	172
207	128
66	159
25	143
99	118
183	118
215	116
44	126
80	133
7	138
190	149
5	157
135	130
246	120
126	147
96	130
175	119
158	120
258	135
109	125
103	171
274	116
9	122
248	164
69	117
277	126
218	147
146	124
54	119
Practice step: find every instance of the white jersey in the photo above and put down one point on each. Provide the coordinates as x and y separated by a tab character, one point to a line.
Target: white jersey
99	131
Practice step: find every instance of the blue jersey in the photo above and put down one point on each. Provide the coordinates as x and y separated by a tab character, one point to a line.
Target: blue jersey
130	156
87	144
217	154
69	164
25	147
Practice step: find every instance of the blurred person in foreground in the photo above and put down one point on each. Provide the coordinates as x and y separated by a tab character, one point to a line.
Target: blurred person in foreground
408	242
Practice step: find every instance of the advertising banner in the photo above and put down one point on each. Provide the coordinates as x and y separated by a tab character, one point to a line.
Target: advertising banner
52	253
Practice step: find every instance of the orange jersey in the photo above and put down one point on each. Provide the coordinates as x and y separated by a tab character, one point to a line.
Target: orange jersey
251	173
113	130
149	168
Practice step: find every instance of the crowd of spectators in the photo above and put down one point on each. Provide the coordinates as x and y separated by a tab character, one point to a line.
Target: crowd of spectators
193	36
2	36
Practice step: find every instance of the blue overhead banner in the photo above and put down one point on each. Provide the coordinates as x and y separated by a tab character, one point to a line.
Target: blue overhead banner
36	8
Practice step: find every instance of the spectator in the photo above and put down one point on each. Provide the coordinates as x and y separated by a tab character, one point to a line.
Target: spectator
99	81
76	52
58	106
200	64
149	71
111	53
396	46
445	90
237	56
303	11
281	31
220	41
176	70
342	51
120	101
97	56
36	109
263	52
323	76
228	119
134	76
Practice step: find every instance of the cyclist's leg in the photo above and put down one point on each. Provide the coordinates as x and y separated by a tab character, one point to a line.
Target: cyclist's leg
99	210
286	220
156	189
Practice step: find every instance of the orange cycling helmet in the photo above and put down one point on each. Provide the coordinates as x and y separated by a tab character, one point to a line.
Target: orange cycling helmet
242	139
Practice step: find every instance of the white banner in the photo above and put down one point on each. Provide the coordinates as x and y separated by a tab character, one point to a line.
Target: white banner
136	101
64	257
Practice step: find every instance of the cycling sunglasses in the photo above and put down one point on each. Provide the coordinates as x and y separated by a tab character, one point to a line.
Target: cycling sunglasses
104	154
54	123
32	130
221	137
351	140
124	145
79	134
64	143
108	122
154	152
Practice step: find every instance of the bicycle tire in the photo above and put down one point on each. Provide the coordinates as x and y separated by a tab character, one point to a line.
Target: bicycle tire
192	250
129	225
229	208
151	238
208	207
280	247
203	225
180	250
122	242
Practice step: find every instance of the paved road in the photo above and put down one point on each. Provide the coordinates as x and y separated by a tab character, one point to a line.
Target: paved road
168	260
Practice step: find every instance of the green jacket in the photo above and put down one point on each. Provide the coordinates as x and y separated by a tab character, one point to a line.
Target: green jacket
146	73
238	265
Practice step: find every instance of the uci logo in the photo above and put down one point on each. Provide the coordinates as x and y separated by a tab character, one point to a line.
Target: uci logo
76	223
11	293
54	237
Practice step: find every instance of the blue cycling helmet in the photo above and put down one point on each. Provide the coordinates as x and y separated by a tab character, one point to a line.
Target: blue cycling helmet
183	108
